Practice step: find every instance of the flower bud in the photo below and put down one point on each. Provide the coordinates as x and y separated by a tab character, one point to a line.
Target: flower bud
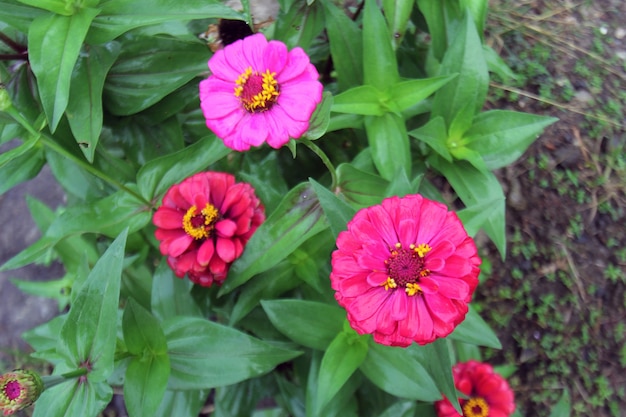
19	389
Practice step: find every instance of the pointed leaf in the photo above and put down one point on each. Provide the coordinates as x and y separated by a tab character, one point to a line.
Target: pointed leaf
337	211
346	46
297	218
408	93
476	331
309	323
142	330
300	25
171	295
84	109
364	99
145	383
434	13
20	164
54	42
74	399
389	142
61	7
205	354
398	13
380	67
182	403
435	135
320	118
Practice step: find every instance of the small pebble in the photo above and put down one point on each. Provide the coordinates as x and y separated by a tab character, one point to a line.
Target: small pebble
620	33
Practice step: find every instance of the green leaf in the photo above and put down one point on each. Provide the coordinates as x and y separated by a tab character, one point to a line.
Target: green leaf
308	323
502	136
148	69
155	177
436	359
402	409
300	25
144	384
61	7
204	354
19	16
45	336
182	403
408	93
54	43
20	164
297	218
476	187
469	88
84	108
398	373
74	179
434	13
389	142
171	295
342	358
346	46
478	8
474	217
435	135
120	16
142	331
360	188
89	333
74	398
398	13
364	99
380	66
476	331
401	185
320	118
497	64
338	212
564	407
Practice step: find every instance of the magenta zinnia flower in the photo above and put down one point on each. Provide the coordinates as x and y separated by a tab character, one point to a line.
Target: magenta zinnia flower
204	224
405	271
489	395
259	92
19	389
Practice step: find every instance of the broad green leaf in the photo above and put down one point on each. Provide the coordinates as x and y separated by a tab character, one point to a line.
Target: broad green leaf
120	16
502	136
474	217
155	177
74	398
297	218
57	289
19	16
204	354
75	180
464	153
460	124
342	358
45	336
346	46
398	373
478	8
242	399
400	185
84	108
182	403
21	86
434	14
361	189
401	409
89	333
309	323
171	295
142	331
476	331
266	177
476	187
148	69
435	357
497	65
435	135
364	99
20	164
398	13
54	42
61	7
380	67
266	286
300	25
145	383
320	118
408	93
564	407
464	57
337	211
389	142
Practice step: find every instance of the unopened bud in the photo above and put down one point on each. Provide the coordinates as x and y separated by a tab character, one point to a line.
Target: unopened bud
18	390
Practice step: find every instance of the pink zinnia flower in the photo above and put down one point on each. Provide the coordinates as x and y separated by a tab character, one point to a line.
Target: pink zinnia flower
405	271
259	92
204	224
489	395
19	389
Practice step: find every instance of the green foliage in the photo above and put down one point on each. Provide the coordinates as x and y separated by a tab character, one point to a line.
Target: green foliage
109	101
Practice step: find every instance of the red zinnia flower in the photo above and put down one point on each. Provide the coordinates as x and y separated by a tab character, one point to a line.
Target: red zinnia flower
18	390
489	395
204	224
405	271
259	92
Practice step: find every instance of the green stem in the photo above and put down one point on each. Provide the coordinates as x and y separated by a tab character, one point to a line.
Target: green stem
52	380
51	144
331	168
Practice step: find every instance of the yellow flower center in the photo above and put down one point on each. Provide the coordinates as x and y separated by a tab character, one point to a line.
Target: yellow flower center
476	407
200	223
257	92
405	267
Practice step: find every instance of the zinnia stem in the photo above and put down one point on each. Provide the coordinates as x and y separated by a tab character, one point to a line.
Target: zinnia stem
51	144
331	168
52	380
